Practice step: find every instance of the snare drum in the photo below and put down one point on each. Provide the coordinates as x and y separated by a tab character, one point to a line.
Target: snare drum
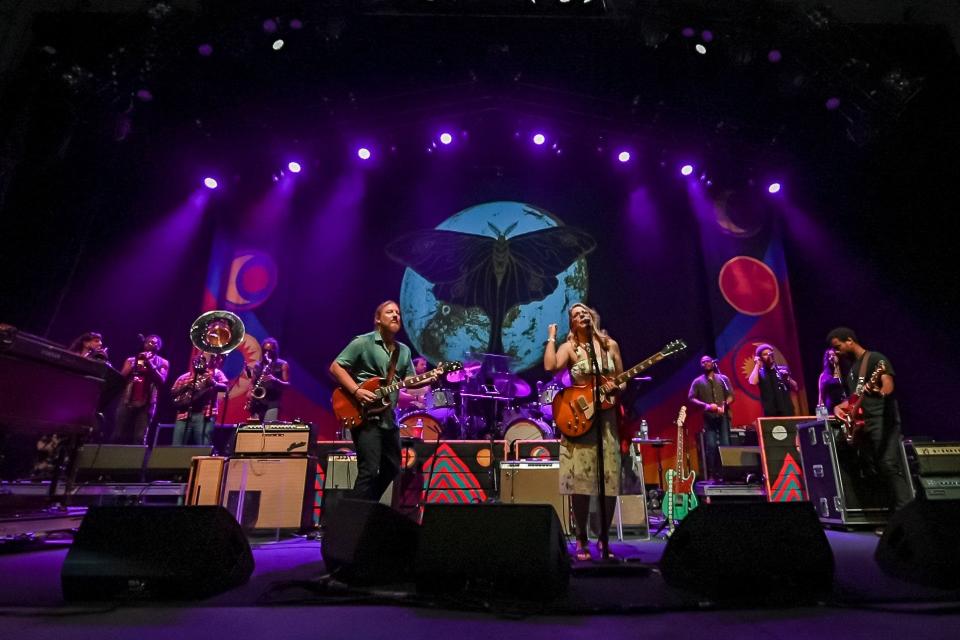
436	423
526	429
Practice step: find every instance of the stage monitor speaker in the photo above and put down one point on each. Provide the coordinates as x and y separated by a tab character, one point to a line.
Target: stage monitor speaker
205	485
111	462
753	552
155	553
365	542
173	463
501	550
919	544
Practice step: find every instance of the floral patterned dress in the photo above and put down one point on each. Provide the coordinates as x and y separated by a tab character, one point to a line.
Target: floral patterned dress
578	456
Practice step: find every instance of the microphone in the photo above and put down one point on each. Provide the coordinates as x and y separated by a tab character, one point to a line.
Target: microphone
141	337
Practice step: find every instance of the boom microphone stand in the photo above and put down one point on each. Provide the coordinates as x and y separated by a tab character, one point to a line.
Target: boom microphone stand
598	430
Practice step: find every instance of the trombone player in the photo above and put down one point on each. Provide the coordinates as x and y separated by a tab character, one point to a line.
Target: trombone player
271	376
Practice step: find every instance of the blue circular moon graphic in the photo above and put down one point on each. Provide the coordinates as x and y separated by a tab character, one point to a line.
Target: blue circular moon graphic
444	331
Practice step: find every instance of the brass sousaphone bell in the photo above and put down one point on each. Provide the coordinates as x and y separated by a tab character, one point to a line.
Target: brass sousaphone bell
217	332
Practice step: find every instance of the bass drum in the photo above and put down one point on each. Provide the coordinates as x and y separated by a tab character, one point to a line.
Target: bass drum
526	429
545	400
436	423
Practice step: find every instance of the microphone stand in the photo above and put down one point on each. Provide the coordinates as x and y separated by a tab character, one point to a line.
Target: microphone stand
604	536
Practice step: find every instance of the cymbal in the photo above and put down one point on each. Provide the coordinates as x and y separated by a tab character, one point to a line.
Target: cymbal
562	378
510	384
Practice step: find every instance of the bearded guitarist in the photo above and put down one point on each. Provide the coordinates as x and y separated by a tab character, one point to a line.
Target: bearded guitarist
578	455
376	438
880	431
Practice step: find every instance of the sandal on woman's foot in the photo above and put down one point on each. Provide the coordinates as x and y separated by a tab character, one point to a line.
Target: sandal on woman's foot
582	553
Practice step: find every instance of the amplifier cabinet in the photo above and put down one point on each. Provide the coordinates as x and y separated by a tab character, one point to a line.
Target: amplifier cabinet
275	438
935	468
837	483
780	456
205	485
271	493
535	482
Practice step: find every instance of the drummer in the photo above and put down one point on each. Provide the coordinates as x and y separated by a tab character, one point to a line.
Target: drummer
416	399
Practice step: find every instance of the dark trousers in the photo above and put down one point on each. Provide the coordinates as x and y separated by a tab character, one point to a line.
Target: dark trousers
716	431
883	442
378	460
132	424
194	429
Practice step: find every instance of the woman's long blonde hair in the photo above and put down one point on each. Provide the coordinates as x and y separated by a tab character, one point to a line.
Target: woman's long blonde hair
603	335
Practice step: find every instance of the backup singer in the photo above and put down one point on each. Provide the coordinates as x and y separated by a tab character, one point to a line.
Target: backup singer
774	381
830	385
195	396
377	439
144	373
881	414
713	394
578	456
272	375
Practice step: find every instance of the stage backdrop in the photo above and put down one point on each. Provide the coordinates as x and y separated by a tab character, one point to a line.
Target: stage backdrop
481	266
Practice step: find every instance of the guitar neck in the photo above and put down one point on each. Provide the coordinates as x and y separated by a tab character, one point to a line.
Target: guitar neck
406	382
629	373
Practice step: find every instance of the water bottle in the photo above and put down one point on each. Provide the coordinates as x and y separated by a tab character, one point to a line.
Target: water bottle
822	412
644	429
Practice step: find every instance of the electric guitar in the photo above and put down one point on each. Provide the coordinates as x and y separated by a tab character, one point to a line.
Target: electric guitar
850	411
573	407
352	413
679	498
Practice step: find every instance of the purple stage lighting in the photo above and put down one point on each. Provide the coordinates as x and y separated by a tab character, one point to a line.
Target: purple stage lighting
446	138
774	187
539	138
686	169
205	50
687	32
774	56
294	167
832	104
210	183
296	24
623	156
363	153
707	35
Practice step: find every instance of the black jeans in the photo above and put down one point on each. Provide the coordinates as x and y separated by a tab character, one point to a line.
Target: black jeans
378	460
883	436
132	425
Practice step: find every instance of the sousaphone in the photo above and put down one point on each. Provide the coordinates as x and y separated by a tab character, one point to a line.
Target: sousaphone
217	332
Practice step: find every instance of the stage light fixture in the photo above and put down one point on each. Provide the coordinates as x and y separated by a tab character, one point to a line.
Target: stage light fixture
702	50
686	169
205	49
294	167
446	138
832	104
539	139
363	153
623	156
774	56
774	187
687	32
707	35
210	183
278	44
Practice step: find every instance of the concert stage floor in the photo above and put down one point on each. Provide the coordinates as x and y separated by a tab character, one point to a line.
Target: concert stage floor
277	603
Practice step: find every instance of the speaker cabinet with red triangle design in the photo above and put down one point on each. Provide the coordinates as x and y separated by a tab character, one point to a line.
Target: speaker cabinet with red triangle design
780	454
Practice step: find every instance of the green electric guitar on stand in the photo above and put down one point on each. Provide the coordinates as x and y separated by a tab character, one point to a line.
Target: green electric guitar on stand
679	499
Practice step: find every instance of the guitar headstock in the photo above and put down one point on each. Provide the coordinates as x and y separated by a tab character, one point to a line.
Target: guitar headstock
682	416
447	367
673	347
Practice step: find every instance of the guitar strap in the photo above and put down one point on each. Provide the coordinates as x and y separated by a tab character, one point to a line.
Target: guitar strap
393	363
863	370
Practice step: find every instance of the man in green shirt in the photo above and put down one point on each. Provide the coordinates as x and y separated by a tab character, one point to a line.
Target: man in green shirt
377	439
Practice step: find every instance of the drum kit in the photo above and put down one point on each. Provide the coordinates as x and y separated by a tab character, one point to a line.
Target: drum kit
481	400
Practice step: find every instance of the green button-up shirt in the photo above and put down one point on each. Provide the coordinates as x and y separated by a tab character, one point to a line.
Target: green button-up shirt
367	357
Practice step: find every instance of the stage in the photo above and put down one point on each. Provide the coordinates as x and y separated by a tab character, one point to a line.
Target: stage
284	598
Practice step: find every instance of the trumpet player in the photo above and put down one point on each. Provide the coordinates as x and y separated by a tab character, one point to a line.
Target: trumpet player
144	373
195	397
271	376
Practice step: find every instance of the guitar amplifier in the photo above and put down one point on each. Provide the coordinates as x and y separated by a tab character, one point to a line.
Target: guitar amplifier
535	482
839	487
205	485
271	493
780	455
275	439
935	468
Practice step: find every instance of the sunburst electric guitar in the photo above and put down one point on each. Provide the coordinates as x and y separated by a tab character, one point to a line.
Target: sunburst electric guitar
573	407
351	412
679	499
850	411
